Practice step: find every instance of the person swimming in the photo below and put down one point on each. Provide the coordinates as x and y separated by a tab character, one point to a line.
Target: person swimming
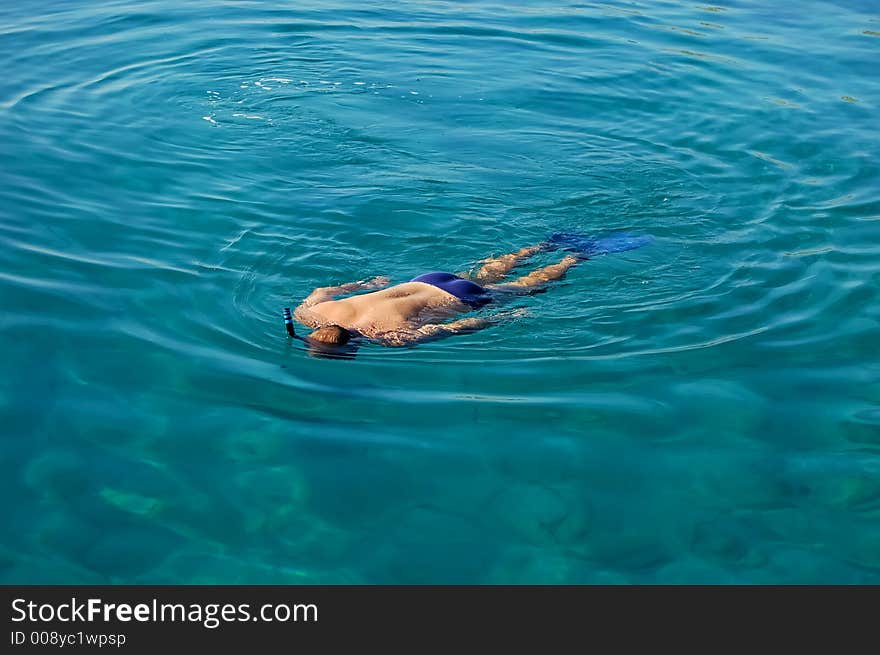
418	310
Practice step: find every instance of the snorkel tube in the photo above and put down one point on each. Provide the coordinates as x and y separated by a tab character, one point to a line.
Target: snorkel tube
584	246
288	322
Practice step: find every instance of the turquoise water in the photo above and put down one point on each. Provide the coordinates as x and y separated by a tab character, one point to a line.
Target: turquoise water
704	409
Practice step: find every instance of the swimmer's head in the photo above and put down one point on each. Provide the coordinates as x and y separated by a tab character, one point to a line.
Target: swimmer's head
330	335
332	342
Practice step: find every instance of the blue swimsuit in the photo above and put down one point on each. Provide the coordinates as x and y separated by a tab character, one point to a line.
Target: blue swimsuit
468	292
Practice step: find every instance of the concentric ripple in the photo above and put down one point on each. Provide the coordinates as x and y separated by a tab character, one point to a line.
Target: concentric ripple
704	409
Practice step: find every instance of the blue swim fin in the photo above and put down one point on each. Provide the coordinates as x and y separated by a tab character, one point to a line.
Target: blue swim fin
587	246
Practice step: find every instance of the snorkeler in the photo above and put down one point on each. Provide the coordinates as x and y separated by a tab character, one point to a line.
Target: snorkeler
415	311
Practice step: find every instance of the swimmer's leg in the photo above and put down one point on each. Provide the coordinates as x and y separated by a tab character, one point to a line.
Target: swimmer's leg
495	268
538	278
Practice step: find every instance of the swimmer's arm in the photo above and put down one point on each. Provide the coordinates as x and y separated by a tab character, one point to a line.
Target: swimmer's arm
323	294
440	330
